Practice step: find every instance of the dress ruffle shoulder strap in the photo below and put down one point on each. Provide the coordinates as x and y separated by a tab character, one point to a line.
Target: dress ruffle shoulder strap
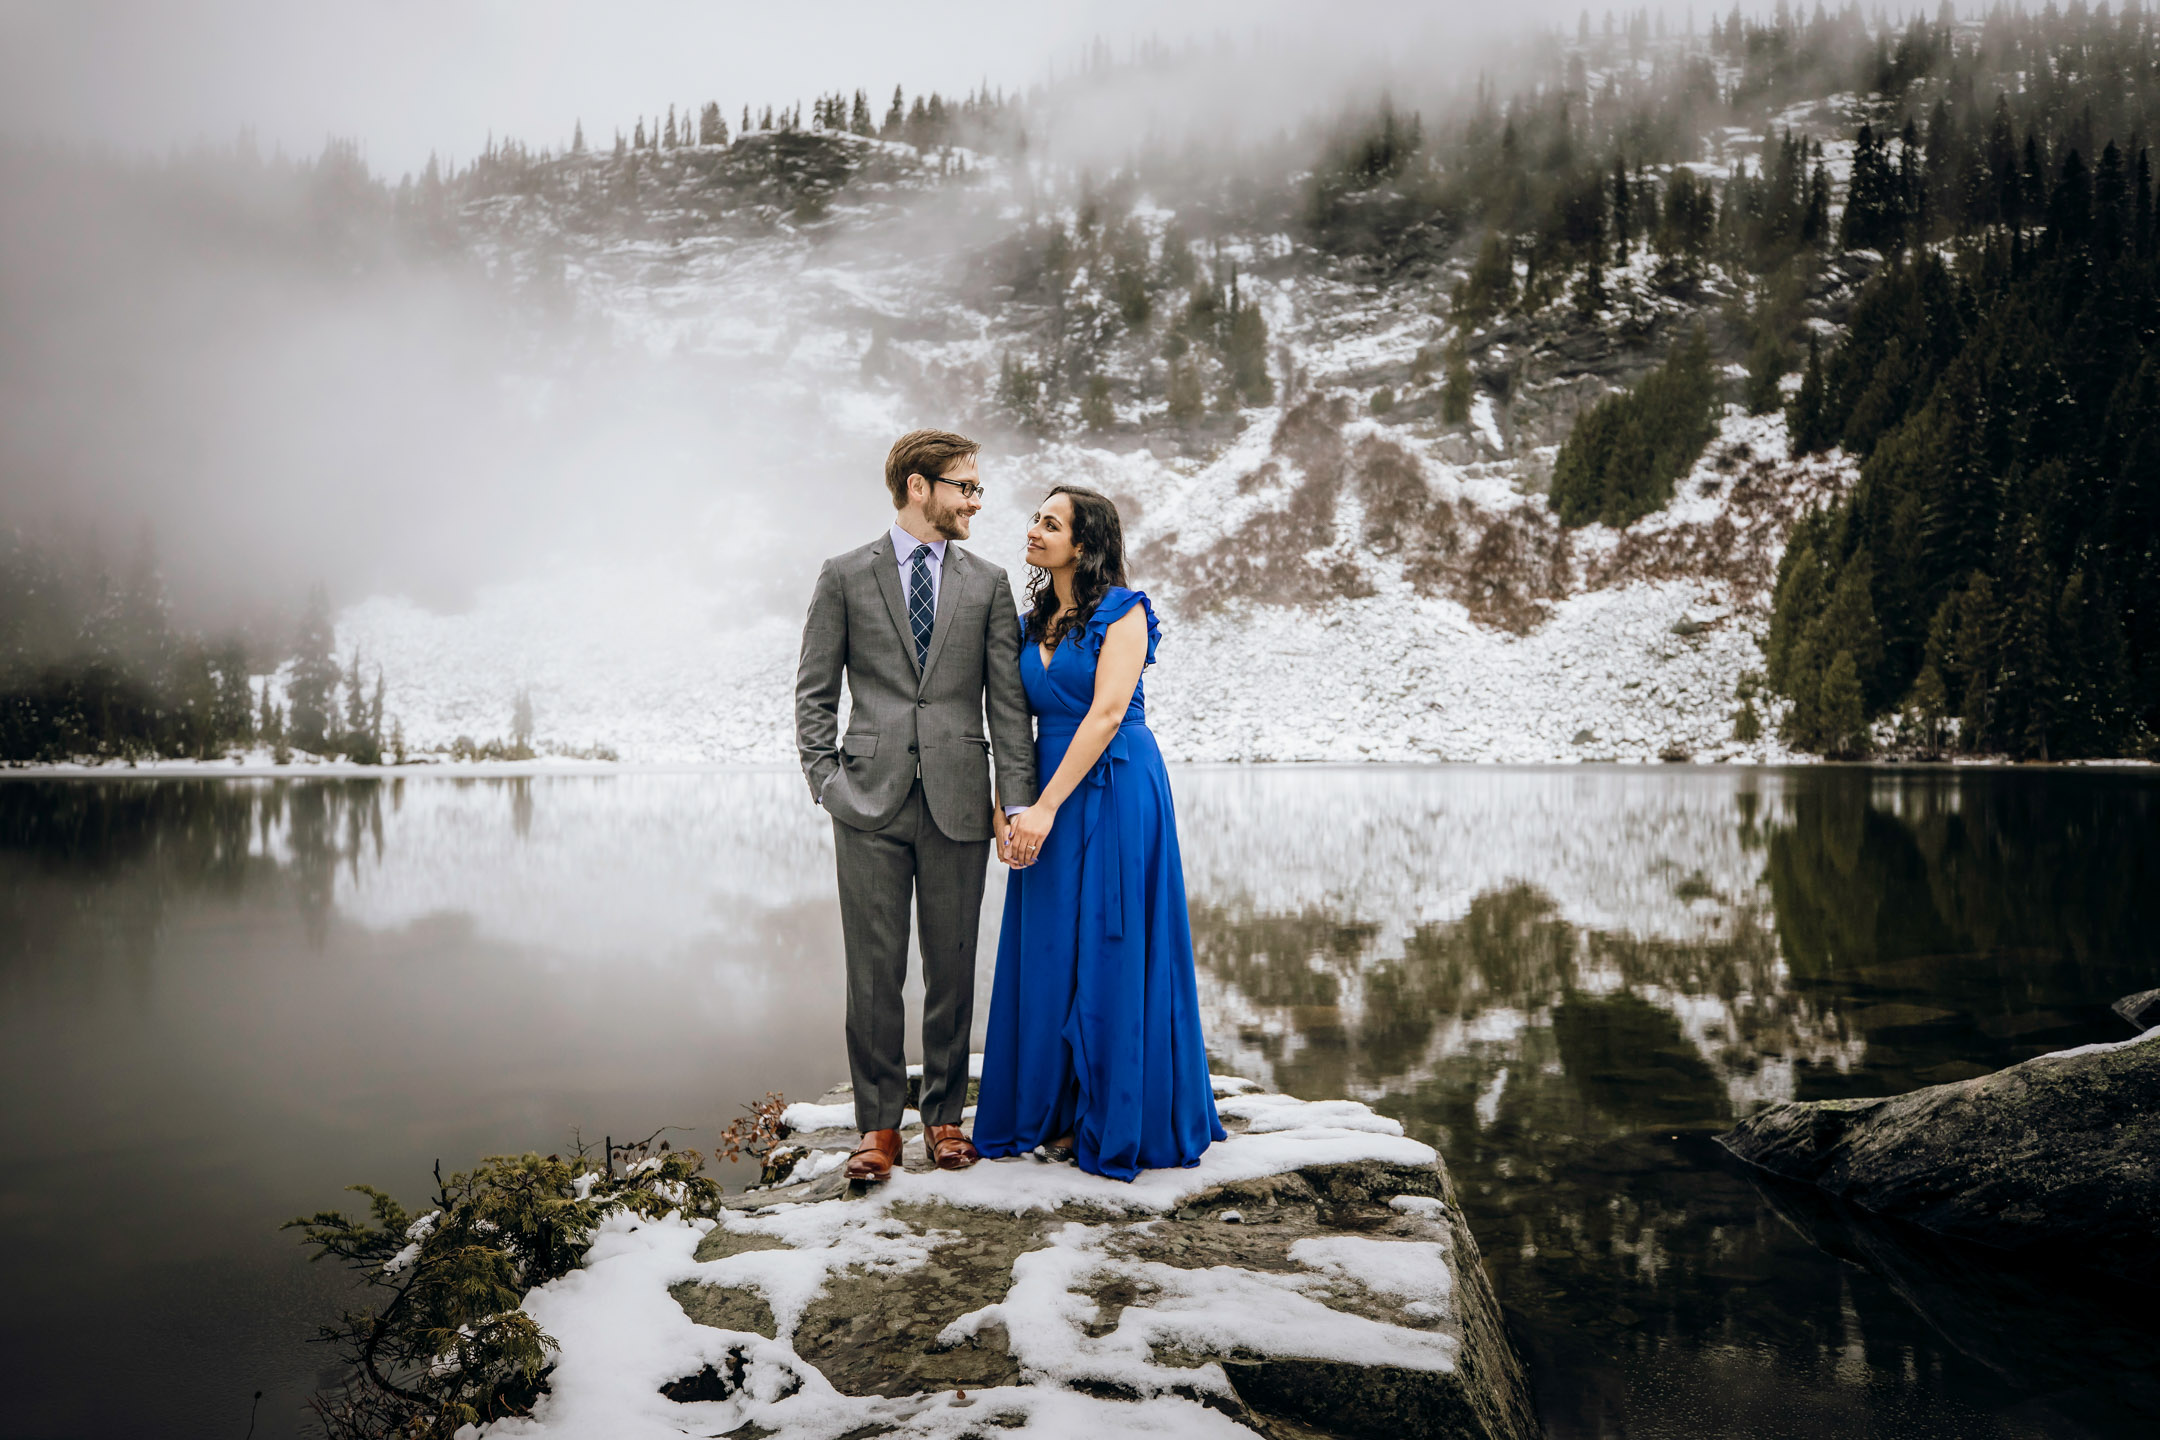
1115	602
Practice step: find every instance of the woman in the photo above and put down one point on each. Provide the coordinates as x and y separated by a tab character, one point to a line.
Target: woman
1094	1050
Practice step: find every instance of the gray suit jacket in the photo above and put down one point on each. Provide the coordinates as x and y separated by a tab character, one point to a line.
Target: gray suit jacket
904	718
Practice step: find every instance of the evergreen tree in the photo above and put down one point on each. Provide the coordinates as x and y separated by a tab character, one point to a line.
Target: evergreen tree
1976	650
234	720
1929	706
2028	684
1245	353
1187	400
314	676
269	726
1766	368
1843	718
1873	213
1458	389
1622	458
1804	417
1096	411
1590	294
1489	288
1747	724
355	700
1687	223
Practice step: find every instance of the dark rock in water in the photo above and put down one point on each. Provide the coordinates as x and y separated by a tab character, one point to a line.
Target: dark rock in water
2142	1010
2057	1158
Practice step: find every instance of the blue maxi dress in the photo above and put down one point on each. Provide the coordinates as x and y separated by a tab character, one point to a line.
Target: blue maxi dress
1094	1025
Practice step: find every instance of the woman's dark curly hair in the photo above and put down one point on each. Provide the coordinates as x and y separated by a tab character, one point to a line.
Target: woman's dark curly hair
1100	540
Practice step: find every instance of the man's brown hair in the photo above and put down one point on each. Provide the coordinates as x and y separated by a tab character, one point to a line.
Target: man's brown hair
925	453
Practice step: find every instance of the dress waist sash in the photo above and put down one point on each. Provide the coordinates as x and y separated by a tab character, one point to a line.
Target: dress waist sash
1098	817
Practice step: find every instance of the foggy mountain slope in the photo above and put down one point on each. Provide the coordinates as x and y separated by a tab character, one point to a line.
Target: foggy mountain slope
581	424
1460	405
1339	584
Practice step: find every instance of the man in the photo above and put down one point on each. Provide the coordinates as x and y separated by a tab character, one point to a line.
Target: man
928	639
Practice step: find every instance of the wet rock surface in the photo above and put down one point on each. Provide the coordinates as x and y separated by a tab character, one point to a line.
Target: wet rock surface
2141	1010
1198	1302
2054	1159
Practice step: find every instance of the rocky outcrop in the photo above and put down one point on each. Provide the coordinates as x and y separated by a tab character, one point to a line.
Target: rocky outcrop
2055	1159
1312	1277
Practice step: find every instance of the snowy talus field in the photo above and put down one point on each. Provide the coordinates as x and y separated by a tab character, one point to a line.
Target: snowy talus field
1529	644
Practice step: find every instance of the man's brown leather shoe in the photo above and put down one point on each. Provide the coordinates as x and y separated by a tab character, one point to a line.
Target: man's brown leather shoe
875	1156
949	1147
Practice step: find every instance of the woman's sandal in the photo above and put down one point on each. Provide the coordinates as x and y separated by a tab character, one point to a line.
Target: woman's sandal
1058	1151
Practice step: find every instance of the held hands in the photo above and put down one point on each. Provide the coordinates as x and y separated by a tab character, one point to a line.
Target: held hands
1020	845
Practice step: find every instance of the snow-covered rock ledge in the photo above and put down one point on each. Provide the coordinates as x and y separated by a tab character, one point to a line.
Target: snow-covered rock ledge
1311	1277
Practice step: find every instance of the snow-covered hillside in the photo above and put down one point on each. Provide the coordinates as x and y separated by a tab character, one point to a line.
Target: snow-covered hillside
1641	666
1490	634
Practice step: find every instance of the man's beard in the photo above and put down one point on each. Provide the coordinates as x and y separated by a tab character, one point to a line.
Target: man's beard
945	519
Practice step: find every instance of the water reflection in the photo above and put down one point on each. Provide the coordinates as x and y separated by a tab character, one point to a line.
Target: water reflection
1572	1045
230	998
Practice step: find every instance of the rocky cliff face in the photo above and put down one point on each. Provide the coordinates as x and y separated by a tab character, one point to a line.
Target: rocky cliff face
1311	1277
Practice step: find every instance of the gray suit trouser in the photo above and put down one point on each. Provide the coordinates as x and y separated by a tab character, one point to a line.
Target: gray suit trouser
878	871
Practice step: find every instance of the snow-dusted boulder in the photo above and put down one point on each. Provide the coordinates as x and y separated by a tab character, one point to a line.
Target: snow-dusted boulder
1312	1276
2056	1158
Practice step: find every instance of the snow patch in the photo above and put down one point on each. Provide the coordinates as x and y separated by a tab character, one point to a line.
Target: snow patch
622	1336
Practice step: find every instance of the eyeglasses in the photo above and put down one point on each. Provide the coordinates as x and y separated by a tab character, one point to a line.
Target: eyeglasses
967	488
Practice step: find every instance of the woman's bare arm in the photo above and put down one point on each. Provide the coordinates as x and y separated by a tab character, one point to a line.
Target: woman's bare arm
1117	673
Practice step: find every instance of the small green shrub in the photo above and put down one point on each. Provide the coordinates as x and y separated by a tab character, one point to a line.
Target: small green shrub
450	1346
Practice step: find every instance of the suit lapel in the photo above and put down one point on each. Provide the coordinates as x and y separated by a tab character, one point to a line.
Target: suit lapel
888	582
949	585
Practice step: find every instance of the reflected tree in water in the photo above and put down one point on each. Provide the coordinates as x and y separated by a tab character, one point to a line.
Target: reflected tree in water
1904	930
148	843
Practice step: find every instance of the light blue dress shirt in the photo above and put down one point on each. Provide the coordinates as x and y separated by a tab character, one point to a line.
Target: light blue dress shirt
904	547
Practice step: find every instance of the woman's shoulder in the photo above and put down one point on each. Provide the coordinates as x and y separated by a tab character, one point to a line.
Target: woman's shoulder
1118	602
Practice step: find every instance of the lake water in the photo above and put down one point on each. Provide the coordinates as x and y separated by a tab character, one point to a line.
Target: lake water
225	1000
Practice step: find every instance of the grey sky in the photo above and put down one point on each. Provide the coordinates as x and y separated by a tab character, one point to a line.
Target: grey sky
408	78
388	433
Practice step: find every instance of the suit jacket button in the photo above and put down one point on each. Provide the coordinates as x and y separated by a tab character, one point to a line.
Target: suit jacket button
922	704
911	749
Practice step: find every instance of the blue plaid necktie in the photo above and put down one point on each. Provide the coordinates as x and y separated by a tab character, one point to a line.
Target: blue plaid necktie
921	607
